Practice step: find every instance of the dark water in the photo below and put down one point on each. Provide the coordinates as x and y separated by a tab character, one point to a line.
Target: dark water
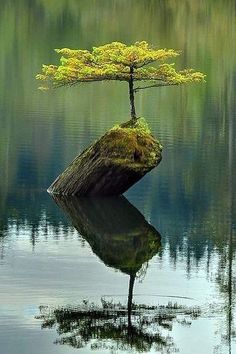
64	288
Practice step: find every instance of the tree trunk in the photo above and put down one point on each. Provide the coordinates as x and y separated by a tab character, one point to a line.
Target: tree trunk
130	300
131	94
112	164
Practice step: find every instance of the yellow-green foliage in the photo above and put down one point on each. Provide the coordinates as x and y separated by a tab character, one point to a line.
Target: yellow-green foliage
114	61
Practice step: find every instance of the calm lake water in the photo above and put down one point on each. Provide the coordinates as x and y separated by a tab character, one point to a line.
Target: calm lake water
68	267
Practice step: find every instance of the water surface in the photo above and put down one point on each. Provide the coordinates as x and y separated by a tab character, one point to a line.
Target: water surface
66	278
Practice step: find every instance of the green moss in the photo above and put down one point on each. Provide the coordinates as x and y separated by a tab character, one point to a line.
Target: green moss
131	142
139	124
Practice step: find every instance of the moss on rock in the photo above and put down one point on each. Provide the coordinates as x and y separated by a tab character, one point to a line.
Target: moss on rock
131	142
113	163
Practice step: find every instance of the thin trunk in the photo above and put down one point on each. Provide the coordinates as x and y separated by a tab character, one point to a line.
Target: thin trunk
230	252
130	298
131	94
230	289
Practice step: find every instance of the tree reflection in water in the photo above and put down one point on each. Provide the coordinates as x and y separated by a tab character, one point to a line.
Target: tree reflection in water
108	327
121	237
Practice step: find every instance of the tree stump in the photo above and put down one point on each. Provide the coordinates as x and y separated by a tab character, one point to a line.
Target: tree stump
111	165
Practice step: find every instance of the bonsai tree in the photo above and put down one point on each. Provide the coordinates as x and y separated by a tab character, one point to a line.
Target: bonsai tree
117	61
125	153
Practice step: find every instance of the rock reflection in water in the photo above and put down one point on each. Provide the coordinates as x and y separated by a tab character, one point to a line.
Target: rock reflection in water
121	237
115	230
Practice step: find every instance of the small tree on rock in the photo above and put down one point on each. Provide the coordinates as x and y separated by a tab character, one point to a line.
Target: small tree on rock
117	61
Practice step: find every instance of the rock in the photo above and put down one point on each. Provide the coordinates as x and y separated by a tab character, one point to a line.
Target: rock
111	165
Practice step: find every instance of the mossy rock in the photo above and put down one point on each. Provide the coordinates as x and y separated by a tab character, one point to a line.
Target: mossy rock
112	164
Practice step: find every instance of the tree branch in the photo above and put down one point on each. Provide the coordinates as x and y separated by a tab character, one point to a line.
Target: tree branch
136	89
138	66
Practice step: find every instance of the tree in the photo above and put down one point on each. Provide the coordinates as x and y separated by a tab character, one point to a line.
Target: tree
117	61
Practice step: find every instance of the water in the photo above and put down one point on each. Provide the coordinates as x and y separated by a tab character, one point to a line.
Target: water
175	232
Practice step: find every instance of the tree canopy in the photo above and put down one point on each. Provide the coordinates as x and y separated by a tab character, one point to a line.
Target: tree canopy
117	61
113	62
